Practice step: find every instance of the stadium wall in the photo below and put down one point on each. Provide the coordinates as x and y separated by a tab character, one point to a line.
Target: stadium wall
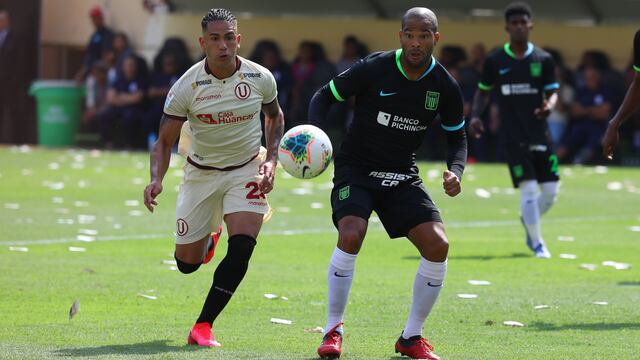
69	25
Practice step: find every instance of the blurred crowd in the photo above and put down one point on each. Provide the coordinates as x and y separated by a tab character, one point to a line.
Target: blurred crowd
125	95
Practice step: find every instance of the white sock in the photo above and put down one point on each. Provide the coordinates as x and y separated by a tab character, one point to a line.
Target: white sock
340	277
530	211
426	288
548	195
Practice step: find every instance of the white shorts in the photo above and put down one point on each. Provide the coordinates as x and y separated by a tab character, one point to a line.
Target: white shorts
205	196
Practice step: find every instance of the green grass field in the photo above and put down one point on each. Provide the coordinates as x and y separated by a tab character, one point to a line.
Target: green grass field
50	198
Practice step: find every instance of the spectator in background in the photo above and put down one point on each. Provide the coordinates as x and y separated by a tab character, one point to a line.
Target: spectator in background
9	79
589	115
162	80
311	70
267	53
96	99
109	60
178	49
121	49
558	119
125	108
352	51
99	41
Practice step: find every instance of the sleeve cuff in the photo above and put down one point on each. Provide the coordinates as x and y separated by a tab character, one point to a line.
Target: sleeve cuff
484	87
453	128
636	68
335	92
552	86
175	117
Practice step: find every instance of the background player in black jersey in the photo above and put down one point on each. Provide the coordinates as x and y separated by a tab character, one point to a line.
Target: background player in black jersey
398	94
524	78
628	107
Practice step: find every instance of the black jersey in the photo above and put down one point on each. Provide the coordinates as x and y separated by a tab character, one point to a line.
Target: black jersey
392	113
520	85
636	52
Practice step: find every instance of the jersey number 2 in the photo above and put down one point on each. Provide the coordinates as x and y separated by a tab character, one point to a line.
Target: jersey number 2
254	193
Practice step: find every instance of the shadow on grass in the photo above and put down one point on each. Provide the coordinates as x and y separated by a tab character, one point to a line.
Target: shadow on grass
542	326
145	348
479	257
629	283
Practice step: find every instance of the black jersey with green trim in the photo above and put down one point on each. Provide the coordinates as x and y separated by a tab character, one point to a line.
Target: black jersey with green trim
393	113
520	85
636	52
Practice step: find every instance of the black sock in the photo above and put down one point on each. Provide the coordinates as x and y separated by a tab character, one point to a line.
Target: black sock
227	276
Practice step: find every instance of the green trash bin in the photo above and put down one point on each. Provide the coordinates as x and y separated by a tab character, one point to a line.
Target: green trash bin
59	105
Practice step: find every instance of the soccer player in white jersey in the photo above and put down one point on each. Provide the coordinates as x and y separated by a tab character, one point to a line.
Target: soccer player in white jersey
228	173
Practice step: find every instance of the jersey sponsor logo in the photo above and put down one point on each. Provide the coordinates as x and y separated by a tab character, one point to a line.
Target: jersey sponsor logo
344	193
195	84
399	122
383	118
252	75
536	69
389	179
504	71
243	90
431	103
382	93
182	228
518	89
224	117
208	97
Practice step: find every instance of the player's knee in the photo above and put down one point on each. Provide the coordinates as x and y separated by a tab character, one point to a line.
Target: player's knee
241	247
440	245
184	267
350	240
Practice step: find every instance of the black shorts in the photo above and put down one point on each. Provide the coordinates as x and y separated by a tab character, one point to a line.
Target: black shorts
532	162
399	198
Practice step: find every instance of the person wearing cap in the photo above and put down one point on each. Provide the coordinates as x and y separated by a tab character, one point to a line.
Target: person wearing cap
99	41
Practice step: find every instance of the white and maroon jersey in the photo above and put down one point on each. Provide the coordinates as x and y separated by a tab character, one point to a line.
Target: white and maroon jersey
222	116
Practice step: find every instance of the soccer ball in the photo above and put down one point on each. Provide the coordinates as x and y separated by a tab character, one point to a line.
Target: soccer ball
305	151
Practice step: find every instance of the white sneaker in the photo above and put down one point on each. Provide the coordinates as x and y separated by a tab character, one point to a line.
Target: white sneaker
541	252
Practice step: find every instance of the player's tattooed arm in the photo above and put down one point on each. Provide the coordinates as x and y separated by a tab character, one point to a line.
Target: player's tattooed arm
274	128
160	156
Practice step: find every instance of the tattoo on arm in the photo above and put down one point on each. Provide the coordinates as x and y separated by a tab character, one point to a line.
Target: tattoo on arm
274	127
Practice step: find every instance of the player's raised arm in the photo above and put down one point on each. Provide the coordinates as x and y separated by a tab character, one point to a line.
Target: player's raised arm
274	128
160	157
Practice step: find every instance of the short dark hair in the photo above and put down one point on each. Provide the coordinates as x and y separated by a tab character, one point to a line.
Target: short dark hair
517	8
217	15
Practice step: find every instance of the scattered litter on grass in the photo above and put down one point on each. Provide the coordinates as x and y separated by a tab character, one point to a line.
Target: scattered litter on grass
635	228
150	297
316	303
137	181
568	256
317	205
81	203
301	191
85	219
53	166
482	193
315	330
135	213
590	267
603	303
374	219
467	296
66	221
12	206
18	249
63	211
513	323
86	238
614	186
169	262
540	307
601	169
132	203
82	184
479	282
77	249
284	298
87	232
433	174
283	209
75	308
57	200
566	238
616	265
281	321
271	296
173	268
117	226
26	172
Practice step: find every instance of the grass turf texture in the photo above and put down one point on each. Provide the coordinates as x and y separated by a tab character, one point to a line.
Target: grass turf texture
487	243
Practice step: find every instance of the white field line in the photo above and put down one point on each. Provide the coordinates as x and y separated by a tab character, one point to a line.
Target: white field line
327	230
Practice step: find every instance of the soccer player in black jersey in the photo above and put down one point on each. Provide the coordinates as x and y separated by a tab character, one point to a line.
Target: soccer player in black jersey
398	94
628	107
524	80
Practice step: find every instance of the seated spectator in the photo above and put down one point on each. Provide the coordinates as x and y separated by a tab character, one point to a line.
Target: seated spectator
267	53
178	49
589	115
161	82
121	49
125	109
558	119
352	51
96	98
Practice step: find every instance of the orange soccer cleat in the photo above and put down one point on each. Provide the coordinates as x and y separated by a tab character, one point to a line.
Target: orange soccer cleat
416	347
201	335
214	237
